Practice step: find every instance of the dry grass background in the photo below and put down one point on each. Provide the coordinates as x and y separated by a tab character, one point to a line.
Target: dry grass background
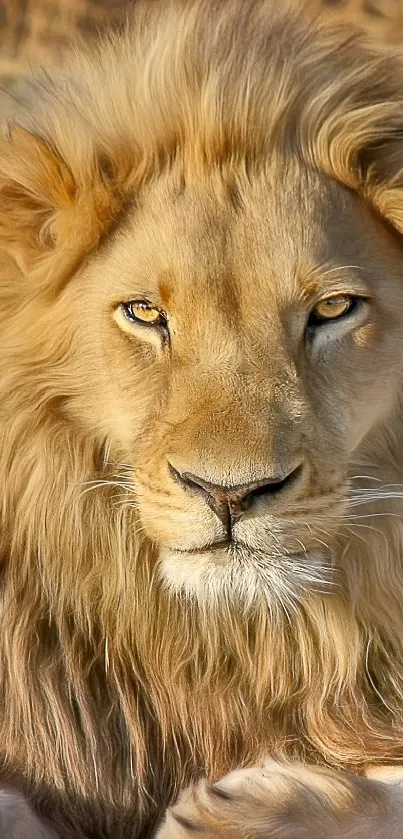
383	19
37	31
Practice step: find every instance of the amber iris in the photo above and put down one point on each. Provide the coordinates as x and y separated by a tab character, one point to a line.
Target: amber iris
332	308
141	311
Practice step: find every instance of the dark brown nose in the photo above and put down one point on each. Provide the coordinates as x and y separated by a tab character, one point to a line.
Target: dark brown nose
230	503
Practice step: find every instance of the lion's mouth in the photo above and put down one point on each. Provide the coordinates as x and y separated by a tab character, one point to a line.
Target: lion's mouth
229	545
233	548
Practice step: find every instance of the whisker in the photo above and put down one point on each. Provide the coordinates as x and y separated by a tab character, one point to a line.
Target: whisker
340	268
366	527
356	500
355	517
364	478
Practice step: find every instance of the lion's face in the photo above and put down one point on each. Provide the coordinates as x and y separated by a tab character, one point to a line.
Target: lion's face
233	411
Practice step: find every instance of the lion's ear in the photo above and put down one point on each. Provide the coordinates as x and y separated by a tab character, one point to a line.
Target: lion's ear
44	206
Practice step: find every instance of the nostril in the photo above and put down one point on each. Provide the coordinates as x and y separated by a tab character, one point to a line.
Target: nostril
242	498
213	494
196	484
273	486
177	476
188	481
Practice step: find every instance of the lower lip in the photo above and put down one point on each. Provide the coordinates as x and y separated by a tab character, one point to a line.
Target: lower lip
216	547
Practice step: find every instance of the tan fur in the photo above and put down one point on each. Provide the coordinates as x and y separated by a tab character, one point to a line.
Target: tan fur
233	165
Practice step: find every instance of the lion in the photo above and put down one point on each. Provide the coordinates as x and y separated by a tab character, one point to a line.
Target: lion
201	379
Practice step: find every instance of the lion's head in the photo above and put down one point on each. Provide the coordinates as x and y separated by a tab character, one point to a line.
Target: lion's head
201	296
234	341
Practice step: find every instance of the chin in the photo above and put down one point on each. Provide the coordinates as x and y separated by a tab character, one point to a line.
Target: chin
245	575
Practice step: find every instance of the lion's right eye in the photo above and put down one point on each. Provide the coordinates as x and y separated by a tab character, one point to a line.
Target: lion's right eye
141	311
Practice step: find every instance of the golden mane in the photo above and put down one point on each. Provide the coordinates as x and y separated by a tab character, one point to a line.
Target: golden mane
114	693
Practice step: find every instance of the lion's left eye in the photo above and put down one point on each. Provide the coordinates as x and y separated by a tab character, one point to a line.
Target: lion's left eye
140	311
333	308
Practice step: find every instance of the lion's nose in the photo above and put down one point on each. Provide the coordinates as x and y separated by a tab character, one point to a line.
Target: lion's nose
230	503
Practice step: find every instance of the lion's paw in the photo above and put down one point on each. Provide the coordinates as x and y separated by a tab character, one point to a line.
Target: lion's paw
280	801
256	802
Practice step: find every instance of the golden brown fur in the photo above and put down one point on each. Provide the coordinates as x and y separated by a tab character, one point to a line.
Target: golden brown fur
233	164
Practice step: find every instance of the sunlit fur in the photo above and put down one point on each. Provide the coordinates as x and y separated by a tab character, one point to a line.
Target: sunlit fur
127	670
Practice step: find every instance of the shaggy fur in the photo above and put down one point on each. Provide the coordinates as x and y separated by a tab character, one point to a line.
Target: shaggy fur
233	165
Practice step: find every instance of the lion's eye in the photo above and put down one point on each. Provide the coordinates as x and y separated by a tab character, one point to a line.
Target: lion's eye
140	311
333	308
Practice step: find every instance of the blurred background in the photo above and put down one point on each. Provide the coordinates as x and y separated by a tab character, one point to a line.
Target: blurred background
37	31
